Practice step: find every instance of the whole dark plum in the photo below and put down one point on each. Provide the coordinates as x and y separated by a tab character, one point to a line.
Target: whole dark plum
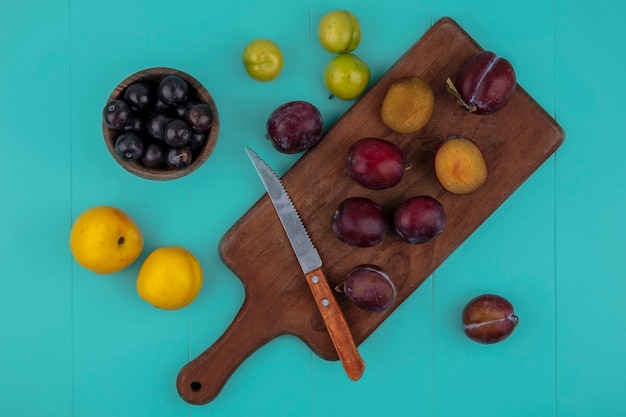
154	156
489	318
419	219
376	163
295	127
199	116
484	83
177	133
369	287
358	221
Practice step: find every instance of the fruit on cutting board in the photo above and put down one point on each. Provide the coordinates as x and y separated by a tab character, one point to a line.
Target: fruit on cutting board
105	240
484	83
419	219
170	278
358	221
339	31
346	76
489	318
262	59
295	126
460	166
376	163
369	287
408	105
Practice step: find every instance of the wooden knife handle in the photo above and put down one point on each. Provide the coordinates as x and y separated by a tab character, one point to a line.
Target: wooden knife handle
336	324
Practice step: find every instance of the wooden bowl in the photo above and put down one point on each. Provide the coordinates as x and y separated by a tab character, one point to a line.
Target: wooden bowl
196	92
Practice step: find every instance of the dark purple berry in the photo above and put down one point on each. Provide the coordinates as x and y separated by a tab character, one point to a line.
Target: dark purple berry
129	146
138	96
177	133
172	89
179	158
199	116
116	114
295	127
154	156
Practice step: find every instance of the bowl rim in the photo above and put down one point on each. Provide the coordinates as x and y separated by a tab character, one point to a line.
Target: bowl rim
135	167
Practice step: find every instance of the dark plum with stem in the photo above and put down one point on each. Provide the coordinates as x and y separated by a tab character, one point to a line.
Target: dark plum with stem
295	127
419	219
376	163
489	318
358	221
179	158
484	83
369	287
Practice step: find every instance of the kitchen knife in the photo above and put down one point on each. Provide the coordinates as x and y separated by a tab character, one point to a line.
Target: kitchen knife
311	265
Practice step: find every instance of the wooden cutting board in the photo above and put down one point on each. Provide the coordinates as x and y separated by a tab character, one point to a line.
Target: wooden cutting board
515	142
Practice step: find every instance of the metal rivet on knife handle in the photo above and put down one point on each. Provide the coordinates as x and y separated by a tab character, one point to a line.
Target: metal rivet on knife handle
337	326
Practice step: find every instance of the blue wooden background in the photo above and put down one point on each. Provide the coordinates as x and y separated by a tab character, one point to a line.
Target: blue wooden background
76	344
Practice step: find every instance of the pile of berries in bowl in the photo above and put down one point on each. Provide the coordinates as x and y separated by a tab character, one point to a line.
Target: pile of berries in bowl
160	124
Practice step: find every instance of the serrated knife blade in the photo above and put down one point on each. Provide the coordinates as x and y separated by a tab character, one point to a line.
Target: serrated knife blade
311	265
